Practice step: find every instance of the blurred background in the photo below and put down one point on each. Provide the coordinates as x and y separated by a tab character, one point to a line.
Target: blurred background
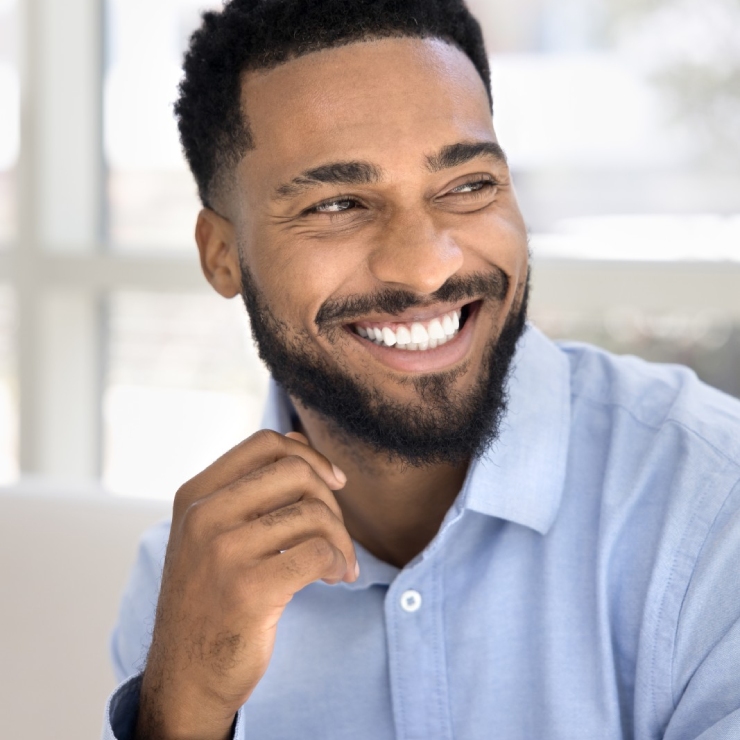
622	122
122	374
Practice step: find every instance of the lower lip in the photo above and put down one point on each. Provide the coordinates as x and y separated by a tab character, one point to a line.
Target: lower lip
426	361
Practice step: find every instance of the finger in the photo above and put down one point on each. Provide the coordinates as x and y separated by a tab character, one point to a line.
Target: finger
257	494
281	530
259	547
309	561
338	472
260	449
262	492
286	528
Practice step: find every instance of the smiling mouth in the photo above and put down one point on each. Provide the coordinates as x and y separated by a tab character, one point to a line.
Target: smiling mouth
417	336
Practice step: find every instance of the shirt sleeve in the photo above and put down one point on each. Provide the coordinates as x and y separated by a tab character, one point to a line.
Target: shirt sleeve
706	666
121	711
123	708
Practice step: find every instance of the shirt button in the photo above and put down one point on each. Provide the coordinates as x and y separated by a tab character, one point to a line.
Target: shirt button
410	600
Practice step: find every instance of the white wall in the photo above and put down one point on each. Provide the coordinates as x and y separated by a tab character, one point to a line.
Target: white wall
64	558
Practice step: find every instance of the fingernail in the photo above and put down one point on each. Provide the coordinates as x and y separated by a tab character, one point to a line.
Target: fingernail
339	475
357	569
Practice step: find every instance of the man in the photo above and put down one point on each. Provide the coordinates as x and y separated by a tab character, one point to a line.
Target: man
455	529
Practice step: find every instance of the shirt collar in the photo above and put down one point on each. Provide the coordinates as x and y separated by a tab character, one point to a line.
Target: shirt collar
520	477
279	414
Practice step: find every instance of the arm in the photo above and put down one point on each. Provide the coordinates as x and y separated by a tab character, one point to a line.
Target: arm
249	532
706	667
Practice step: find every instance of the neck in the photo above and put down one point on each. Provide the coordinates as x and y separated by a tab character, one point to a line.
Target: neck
393	510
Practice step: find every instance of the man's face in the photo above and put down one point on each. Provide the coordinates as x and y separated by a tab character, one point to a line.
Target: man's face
374	214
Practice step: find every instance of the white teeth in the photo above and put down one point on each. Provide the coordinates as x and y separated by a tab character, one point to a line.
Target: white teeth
419	334
403	335
448	325
435	330
417	337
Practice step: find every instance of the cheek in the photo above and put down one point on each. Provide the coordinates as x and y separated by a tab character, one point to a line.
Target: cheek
298	278
499	240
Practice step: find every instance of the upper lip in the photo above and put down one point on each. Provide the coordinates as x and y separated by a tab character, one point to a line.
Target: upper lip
427	313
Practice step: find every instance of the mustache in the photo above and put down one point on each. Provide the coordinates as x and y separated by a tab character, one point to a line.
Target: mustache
492	285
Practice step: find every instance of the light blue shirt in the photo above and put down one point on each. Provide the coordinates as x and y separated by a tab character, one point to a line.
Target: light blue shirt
585	585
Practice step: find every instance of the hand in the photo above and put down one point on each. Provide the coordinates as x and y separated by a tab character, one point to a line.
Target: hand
247	533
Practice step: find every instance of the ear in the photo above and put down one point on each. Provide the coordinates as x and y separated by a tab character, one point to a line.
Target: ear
219	255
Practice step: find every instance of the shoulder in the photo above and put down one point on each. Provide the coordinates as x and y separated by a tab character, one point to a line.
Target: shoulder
666	449
657	397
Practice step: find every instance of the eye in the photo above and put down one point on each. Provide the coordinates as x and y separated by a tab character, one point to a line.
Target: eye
337	205
477	186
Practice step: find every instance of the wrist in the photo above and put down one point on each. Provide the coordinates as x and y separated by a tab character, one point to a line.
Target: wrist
167	713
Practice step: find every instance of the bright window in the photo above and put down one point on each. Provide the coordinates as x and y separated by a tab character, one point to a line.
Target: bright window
9	118
184	385
620	121
9	150
152	197
8	389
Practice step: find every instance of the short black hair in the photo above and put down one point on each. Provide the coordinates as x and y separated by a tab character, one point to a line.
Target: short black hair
260	34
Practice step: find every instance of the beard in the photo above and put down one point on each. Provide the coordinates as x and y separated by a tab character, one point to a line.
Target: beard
443	425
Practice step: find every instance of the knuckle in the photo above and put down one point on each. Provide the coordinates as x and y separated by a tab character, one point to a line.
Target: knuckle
322	550
266	439
195	519
297	468
294	568
184	496
315	508
201	525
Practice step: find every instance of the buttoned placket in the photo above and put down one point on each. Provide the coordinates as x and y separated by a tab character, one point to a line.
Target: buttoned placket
414	610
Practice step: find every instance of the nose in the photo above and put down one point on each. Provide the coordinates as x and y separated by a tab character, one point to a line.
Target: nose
415	254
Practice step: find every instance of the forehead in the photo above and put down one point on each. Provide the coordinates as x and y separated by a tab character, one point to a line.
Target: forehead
371	101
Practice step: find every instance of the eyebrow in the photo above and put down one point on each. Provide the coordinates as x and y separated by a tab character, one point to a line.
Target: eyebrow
456	154
366	173
336	173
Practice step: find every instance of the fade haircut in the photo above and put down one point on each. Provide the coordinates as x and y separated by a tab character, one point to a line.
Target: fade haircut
250	35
